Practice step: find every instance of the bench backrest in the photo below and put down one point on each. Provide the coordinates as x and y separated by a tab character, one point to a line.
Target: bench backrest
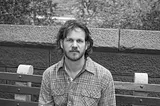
8	87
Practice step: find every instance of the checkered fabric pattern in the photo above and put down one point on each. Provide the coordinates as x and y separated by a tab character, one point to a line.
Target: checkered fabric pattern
93	86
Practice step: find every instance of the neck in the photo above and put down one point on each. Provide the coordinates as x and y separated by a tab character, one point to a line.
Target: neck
74	66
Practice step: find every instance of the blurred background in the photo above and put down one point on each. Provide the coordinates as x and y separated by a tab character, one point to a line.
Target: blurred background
123	14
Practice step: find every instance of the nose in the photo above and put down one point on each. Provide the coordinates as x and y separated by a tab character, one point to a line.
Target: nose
74	44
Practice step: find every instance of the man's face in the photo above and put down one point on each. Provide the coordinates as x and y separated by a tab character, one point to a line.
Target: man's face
74	45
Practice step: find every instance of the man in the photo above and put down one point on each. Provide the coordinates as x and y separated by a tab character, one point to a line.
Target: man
76	80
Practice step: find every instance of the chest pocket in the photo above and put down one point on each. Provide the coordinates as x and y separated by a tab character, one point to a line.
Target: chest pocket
91	95
58	94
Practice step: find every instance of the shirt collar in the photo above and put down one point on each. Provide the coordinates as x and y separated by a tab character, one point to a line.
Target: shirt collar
89	66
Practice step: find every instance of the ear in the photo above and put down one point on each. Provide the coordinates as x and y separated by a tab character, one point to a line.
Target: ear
87	45
61	44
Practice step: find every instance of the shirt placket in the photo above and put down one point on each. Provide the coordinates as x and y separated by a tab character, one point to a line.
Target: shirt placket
71	85
69	90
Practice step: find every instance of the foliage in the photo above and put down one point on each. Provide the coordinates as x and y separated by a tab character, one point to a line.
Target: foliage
45	10
27	12
132	14
125	14
14	12
151	20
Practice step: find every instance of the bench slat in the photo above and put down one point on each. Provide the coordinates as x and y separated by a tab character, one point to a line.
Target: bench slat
20	77
137	87
137	100
121	99
19	89
11	102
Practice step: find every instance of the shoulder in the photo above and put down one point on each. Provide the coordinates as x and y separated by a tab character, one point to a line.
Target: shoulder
52	69
101	70
104	75
96	68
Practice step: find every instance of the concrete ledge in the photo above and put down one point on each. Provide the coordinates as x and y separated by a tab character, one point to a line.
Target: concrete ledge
105	37
45	35
139	39
32	34
120	40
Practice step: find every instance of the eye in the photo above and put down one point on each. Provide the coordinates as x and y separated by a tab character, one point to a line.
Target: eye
80	41
69	40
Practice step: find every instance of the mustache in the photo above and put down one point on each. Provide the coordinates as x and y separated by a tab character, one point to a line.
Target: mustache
74	50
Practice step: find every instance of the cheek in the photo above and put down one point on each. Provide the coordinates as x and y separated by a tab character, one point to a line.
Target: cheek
84	47
66	46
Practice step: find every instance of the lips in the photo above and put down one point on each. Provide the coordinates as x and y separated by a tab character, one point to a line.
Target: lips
74	51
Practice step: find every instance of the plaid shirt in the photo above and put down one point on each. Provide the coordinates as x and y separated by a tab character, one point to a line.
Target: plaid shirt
94	86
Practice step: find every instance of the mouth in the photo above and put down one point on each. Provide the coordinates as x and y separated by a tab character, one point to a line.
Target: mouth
73	51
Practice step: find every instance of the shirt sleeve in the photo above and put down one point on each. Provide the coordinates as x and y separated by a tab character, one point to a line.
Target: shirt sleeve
108	94
45	97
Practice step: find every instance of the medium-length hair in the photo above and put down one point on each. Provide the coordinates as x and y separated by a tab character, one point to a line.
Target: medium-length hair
71	25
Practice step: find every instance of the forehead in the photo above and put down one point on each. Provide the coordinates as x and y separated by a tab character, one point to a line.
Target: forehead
76	33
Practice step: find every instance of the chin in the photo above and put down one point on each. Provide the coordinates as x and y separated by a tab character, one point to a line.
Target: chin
74	57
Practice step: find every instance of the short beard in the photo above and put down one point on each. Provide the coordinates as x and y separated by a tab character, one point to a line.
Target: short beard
73	59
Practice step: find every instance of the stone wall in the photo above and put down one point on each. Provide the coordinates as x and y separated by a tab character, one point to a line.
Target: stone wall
123	51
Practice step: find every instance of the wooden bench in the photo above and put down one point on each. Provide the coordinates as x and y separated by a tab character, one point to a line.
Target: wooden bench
24	94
